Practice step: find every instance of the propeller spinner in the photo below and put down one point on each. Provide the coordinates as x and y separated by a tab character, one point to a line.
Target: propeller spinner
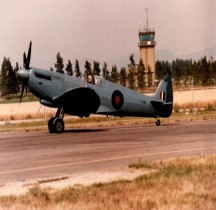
23	73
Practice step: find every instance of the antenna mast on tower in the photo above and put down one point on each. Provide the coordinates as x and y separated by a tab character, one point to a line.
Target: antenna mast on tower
147	18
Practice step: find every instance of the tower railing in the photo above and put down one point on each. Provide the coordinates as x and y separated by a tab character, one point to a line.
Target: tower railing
146	30
146	43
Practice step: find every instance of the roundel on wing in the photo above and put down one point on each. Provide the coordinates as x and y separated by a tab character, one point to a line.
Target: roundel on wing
117	99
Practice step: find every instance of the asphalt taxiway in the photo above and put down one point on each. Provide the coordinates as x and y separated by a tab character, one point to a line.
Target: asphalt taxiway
40	155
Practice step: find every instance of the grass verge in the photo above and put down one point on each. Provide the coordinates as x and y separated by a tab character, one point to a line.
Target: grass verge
100	121
186	183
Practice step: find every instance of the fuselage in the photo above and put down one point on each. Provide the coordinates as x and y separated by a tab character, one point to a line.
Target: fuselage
114	99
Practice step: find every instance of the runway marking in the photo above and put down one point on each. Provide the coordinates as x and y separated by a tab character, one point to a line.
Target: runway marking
105	159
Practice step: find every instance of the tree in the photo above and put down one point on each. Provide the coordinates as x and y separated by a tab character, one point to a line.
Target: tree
69	68
160	69
9	82
114	74
212	70
150	79
106	73
200	72
205	71
131	79
77	69
88	68
141	74
132	60
194	73
59	65
131	67
6	66
186	74
177	73
16	68
123	76
96	68
15	79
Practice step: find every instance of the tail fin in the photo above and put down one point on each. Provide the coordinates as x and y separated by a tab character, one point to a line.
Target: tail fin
162	100
164	91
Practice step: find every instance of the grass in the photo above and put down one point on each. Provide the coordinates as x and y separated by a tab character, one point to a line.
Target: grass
187	108
15	98
200	105
203	110
186	183
101	121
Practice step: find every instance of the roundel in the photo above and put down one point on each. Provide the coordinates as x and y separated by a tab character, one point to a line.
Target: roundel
117	99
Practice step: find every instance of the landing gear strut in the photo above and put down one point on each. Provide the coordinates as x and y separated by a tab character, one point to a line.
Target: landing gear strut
157	122
56	124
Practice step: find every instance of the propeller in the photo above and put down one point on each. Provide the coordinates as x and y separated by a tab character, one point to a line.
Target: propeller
23	73
24	87
26	61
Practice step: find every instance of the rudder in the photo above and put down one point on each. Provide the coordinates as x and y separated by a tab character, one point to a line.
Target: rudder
162	100
164	91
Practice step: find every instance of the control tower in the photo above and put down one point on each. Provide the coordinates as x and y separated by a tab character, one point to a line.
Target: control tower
147	47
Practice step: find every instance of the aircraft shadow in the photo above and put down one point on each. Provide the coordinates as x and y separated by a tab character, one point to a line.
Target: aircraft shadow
85	130
169	124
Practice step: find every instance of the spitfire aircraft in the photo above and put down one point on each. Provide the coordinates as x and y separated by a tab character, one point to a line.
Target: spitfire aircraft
85	95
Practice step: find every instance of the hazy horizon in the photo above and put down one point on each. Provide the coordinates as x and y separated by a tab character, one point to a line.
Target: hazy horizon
101	30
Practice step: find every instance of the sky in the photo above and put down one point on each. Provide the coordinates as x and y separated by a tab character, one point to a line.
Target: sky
100	29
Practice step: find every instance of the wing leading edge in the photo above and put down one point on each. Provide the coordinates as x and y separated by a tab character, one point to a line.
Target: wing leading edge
79	101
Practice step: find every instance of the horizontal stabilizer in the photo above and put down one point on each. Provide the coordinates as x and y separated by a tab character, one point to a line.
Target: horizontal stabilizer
157	103
162	109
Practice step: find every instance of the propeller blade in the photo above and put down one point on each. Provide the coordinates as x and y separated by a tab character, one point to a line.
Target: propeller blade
23	87
22	74
26	86
29	55
24	60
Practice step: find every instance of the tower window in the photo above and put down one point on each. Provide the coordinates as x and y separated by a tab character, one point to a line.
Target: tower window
146	37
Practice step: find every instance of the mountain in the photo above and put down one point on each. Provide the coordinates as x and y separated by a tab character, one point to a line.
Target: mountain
210	52
166	55
162	55
122	61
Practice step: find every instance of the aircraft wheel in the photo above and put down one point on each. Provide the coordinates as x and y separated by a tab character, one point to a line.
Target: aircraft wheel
58	125
158	123
51	126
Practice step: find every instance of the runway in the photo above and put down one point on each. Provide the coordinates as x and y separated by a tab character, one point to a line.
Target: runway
40	155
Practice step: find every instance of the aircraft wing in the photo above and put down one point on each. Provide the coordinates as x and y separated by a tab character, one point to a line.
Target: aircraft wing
79	101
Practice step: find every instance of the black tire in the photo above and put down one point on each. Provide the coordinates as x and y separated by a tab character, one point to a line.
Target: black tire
51	125
58	125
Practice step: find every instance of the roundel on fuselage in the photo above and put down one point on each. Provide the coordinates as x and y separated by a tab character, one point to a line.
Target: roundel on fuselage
117	99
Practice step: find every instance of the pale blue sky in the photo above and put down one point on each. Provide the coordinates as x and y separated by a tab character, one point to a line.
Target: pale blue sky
101	29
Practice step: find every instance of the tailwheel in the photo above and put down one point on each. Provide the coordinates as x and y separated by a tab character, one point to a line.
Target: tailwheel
158	122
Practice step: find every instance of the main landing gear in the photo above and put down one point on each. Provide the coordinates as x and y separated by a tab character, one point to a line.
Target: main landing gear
56	124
